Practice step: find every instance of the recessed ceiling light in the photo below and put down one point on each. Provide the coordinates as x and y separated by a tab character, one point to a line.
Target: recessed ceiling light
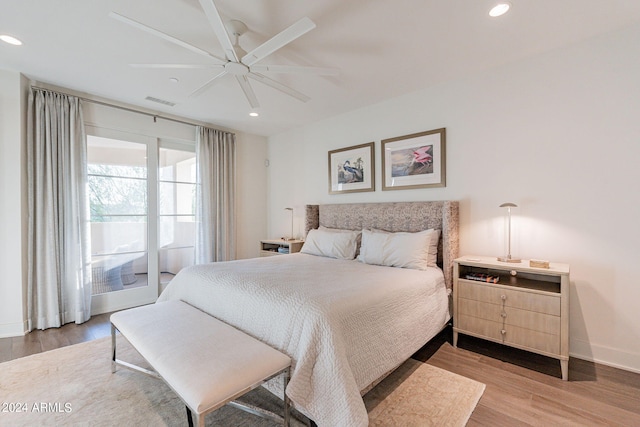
254	114
173	80
11	40
499	9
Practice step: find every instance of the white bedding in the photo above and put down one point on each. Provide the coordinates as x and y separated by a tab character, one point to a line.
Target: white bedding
344	323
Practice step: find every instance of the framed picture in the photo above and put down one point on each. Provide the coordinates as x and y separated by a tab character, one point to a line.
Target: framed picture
351	169
414	161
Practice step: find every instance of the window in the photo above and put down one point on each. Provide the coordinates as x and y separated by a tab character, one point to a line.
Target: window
177	198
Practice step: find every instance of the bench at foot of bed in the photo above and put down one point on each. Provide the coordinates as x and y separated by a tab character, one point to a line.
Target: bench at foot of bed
206	362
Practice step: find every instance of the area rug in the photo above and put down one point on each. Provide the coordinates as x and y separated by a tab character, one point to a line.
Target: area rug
74	386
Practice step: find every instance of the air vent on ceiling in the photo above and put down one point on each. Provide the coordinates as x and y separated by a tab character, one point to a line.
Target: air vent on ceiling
160	101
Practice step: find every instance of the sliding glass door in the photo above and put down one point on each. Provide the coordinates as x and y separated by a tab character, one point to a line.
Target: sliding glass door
119	216
142	201
122	200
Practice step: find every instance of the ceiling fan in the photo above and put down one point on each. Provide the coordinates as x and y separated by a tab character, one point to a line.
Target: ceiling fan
238	63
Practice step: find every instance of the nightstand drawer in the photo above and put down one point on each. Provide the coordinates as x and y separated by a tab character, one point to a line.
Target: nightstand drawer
480	327
495	294
540	322
548	343
508	334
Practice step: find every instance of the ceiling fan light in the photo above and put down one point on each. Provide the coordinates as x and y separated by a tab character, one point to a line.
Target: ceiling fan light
499	9
10	39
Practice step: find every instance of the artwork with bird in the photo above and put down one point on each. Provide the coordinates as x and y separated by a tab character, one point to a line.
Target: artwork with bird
412	161
349	172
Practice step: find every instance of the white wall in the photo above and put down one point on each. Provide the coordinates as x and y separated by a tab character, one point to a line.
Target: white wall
557	134
12	186
251	201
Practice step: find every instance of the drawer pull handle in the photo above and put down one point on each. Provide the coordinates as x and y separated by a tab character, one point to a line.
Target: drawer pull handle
503	297
503	332
503	315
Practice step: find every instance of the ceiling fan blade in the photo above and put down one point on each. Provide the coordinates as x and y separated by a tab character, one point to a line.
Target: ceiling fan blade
323	71
284	37
163	36
207	85
277	85
218	28
248	91
186	66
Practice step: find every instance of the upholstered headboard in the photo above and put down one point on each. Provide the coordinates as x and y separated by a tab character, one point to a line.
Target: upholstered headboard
394	217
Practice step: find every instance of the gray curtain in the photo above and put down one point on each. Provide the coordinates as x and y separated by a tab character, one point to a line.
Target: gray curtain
59	274
215	199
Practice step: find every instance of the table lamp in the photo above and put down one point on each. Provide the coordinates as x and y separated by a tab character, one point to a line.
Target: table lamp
508	257
291	235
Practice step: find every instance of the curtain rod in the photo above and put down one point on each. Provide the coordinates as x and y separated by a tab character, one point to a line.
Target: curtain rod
131	110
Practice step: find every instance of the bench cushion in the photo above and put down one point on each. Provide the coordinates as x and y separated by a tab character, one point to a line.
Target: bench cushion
204	360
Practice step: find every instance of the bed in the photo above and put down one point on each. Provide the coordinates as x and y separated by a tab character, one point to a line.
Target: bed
346	324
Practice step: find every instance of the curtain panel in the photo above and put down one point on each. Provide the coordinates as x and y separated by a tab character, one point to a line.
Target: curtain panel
59	274
215	199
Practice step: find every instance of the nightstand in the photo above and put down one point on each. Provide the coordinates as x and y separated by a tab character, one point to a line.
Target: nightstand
271	247
515	305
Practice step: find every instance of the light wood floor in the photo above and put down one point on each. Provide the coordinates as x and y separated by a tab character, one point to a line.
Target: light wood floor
526	389
522	388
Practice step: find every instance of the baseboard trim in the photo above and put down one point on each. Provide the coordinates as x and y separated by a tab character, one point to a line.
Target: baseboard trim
16	329
607	356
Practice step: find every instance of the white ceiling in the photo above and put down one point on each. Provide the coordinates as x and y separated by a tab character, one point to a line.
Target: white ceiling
384	48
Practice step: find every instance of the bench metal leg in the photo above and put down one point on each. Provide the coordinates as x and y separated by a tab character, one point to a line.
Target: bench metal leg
199	418
255	410
113	349
189	417
287	403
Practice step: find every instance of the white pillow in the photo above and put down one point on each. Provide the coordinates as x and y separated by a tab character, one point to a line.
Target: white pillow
331	243
340	230
407	250
372	247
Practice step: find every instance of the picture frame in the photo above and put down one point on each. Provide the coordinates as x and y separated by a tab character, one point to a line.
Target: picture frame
414	161
352	169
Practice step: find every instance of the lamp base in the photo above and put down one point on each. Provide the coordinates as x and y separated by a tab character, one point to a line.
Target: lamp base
508	259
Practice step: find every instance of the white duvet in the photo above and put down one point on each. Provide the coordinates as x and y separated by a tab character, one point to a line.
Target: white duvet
344	323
